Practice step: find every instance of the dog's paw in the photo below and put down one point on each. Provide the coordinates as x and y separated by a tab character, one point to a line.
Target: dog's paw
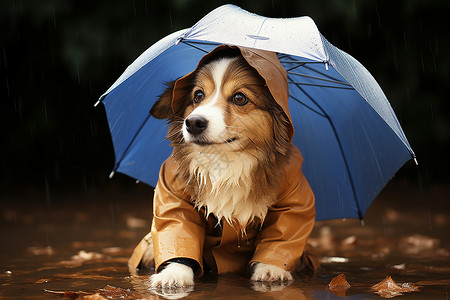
269	273
174	276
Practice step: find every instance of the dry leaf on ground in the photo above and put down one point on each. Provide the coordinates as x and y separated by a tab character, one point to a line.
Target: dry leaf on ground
67	294
83	256
338	285
111	292
388	288
93	297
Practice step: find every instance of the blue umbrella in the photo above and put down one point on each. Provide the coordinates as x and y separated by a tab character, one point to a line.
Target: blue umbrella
345	128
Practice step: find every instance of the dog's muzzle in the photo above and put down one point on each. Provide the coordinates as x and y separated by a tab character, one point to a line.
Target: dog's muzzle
195	124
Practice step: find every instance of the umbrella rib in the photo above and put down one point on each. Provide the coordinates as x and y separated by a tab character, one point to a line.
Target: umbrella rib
198	48
321	85
303	64
300	62
131	143
318	78
341	148
295	67
320	73
200	42
307	106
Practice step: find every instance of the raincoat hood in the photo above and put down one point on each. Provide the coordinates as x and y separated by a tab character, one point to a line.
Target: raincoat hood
267	65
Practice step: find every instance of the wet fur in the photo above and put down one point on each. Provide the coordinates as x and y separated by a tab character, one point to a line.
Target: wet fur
247	177
234	181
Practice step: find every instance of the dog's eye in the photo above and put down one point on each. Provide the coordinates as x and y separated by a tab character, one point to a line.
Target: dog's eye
239	99
198	96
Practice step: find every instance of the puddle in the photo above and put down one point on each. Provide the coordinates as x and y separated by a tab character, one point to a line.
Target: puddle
78	247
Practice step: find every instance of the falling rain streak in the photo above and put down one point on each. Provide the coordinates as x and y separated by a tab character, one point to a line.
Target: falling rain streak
60	213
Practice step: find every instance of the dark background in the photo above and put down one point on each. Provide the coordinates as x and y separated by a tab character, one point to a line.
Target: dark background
57	57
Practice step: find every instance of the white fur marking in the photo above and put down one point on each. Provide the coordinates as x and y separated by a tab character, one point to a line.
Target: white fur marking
224	176
265	272
210	111
216	124
228	176
175	275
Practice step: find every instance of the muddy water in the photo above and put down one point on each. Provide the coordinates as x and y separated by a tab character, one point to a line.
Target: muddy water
77	246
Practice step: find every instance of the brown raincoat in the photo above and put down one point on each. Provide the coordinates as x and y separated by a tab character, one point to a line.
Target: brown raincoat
181	230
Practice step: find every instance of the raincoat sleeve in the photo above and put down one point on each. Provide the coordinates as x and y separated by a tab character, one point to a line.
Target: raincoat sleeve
177	227
289	222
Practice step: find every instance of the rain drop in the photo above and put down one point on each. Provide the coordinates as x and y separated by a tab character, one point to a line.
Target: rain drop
91	123
7	86
429	220
4	58
45	110
54	16
78	72
170	16
404	38
134	8
47	192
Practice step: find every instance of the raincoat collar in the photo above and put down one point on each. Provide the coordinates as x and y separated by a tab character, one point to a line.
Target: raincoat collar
267	65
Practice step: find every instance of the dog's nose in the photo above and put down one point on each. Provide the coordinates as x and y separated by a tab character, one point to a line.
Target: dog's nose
196	124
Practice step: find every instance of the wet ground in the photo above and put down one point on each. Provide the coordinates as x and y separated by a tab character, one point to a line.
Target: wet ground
75	245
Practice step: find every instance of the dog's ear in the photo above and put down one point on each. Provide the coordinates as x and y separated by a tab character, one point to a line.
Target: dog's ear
162	109
280	130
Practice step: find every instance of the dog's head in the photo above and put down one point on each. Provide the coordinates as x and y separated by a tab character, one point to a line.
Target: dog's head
225	103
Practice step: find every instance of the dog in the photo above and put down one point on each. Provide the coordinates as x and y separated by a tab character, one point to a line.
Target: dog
231	154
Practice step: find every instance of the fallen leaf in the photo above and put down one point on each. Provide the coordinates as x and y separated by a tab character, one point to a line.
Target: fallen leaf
108	292
339	282
93	297
399	267
391	215
112	250
111	292
136	223
67	294
389	289
338	285
418	244
41	250
349	241
83	256
85	276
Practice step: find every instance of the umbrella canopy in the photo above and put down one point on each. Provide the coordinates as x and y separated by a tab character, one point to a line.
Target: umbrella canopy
345	128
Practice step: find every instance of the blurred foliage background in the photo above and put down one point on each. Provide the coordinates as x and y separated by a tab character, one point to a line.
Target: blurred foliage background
58	56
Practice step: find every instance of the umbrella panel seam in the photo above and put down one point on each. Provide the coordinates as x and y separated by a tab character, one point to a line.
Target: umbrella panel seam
318	78
342	152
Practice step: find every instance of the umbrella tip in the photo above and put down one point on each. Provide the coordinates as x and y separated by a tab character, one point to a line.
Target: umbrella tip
97	103
326	65
112	174
179	39
362	222
415	160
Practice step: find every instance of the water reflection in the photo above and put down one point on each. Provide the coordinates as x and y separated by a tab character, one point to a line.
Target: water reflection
261	286
175	293
279	290
141	284
231	285
77	250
